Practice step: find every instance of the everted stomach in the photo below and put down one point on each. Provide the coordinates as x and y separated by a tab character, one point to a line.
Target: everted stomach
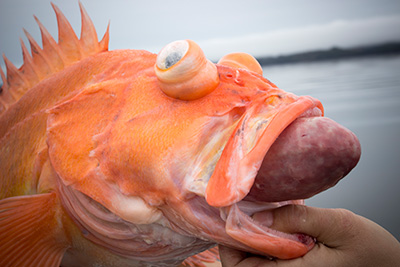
311	155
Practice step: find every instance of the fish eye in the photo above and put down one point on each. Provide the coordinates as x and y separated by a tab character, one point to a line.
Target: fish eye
242	61
184	72
172	54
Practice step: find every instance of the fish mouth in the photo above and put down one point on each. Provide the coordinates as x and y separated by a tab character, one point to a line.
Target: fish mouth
278	158
256	131
253	230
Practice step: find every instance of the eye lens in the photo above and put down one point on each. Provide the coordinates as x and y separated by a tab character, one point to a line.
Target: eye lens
172	54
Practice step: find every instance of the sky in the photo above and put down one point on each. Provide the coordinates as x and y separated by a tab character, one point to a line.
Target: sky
258	27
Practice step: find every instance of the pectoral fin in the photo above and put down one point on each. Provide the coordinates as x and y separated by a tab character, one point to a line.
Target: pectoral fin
31	233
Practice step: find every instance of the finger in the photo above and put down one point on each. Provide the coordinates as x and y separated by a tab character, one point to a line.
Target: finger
230	256
234	258
320	255
329	226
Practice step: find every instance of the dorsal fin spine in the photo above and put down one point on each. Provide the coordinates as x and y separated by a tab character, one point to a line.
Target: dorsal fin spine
14	77
39	58
28	67
88	40
52	58
67	39
3	78
7	99
50	46
104	42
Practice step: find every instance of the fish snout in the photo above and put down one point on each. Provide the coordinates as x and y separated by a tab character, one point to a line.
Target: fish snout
311	155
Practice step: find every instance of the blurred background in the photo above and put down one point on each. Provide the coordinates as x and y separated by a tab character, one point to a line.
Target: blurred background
360	90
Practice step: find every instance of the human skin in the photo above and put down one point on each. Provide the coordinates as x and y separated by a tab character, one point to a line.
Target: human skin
343	239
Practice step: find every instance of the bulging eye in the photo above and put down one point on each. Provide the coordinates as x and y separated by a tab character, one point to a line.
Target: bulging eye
242	61
172	54
184	72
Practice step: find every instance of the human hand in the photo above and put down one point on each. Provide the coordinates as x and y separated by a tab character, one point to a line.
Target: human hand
343	239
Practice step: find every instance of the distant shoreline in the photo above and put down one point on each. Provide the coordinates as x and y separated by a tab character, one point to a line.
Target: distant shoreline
333	53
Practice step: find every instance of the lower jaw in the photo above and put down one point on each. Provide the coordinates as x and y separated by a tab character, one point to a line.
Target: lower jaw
249	223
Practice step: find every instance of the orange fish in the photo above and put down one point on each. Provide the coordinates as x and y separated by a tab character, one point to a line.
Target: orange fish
127	158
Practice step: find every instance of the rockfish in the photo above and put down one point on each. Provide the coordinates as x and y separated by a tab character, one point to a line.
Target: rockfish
128	158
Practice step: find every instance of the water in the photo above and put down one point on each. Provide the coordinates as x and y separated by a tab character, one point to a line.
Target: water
364	95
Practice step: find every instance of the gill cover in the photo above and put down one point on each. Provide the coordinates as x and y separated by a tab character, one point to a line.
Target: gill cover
184	72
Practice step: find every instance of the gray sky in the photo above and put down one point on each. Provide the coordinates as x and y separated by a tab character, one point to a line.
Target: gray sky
259	27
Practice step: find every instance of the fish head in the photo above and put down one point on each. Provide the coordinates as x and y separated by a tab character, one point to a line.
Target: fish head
234	116
257	147
201	149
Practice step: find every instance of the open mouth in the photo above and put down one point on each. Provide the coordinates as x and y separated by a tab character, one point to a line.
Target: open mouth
254	135
277	158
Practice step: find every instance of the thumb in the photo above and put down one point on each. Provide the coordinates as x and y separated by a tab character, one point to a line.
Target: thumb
329	226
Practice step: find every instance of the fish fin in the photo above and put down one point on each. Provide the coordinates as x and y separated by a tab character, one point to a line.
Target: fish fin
30	231
201	259
50	59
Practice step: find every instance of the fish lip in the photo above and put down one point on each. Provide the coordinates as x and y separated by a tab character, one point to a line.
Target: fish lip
236	170
314	110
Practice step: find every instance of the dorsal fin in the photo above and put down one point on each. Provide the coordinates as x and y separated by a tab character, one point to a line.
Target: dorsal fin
51	58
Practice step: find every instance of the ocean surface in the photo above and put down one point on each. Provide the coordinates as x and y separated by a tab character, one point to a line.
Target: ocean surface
362	94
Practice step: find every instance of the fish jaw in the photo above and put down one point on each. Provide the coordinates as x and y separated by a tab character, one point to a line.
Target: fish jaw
244	152
244	160
257	235
237	167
